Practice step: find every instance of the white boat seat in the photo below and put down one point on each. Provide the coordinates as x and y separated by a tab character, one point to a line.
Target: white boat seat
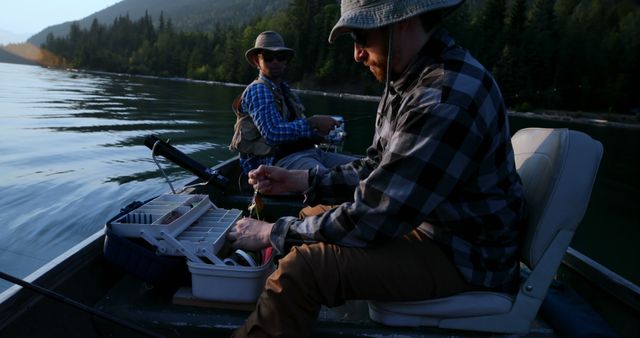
558	168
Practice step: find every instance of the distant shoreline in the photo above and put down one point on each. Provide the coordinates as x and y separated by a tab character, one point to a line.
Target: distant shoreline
594	119
231	84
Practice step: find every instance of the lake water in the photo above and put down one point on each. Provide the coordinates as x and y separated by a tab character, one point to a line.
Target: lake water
72	154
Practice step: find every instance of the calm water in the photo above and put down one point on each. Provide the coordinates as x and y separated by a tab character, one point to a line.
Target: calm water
72	154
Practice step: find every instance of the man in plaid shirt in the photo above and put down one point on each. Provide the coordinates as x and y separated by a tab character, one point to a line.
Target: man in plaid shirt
435	208
271	128
259	101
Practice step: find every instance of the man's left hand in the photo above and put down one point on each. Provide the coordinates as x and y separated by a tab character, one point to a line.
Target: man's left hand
250	234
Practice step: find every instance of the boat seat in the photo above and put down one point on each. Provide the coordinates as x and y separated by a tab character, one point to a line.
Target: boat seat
558	168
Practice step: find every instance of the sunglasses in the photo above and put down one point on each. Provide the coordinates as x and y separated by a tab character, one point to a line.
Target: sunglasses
269	57
358	37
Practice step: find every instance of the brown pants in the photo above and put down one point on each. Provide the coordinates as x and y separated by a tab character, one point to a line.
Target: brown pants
408	268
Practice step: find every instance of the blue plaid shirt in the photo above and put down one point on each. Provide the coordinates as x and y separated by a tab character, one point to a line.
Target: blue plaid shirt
259	103
441	161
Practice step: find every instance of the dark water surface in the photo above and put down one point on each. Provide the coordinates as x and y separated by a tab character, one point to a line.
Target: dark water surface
72	154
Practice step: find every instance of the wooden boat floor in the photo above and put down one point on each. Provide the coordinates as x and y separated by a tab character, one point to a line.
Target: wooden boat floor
180	315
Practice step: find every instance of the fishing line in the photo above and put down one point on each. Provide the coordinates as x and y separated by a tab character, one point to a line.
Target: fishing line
71	302
153	155
353	119
388	73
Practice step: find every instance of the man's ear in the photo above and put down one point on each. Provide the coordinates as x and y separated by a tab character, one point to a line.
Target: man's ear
255	61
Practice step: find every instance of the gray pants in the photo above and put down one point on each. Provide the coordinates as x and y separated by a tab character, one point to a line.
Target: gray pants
313	157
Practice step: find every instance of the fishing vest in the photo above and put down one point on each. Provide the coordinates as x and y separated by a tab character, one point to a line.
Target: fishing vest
246	136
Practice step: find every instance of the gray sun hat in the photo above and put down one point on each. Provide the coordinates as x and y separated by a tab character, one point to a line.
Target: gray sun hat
369	14
270	41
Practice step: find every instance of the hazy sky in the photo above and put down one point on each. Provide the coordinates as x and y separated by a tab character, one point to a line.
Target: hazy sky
22	17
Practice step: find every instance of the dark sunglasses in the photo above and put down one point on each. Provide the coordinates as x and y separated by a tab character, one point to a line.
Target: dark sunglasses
269	57
358	37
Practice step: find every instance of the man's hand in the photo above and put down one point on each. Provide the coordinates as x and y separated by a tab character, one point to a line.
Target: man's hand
250	234
323	123
270	180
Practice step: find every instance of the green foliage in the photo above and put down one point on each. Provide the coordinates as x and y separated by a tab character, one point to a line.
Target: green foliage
561	54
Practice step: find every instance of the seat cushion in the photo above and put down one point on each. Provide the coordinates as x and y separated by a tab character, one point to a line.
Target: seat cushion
465	304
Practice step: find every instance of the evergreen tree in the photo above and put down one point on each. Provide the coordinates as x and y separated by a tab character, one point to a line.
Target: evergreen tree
625	97
459	25
490	21
508	69
515	21
539	53
561	54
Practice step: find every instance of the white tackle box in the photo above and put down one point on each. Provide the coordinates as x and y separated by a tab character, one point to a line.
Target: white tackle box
168	214
192	226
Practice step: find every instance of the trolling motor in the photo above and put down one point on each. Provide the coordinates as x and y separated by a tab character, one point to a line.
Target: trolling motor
174	155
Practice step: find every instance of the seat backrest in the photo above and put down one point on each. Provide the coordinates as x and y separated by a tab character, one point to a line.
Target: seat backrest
558	168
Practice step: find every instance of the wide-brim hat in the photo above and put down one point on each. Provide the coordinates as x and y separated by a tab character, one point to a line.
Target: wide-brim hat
369	14
270	41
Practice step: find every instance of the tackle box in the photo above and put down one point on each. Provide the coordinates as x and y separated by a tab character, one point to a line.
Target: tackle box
165	214
189	226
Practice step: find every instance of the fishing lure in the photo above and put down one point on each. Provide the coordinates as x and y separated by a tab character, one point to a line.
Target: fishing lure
256	206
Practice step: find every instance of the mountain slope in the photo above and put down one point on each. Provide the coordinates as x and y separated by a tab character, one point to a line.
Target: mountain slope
7	37
8	57
186	15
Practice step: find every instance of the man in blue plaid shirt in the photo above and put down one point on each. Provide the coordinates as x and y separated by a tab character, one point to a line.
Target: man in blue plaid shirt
271	128
435	208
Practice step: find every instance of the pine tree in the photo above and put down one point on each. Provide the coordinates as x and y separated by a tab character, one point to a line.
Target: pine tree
490	21
539	52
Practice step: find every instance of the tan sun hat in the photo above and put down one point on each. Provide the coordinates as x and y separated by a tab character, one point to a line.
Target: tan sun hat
271	41
369	14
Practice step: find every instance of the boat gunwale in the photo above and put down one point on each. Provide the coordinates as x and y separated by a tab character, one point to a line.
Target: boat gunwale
612	283
16	299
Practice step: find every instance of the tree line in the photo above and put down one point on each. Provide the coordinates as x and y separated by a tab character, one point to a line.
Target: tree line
553	54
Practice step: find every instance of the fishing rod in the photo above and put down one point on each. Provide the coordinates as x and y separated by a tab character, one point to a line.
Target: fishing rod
68	301
159	147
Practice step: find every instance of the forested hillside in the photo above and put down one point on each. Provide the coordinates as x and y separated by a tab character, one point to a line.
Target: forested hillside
560	54
186	15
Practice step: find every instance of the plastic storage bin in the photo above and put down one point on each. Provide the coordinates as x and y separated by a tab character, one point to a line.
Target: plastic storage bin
224	283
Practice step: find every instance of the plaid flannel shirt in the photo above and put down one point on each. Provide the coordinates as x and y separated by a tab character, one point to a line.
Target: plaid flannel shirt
441	161
259	103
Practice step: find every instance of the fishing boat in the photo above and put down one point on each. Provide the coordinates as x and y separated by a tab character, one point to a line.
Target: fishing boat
83	293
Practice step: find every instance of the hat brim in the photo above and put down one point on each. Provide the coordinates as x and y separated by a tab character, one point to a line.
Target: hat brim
383	14
253	51
347	23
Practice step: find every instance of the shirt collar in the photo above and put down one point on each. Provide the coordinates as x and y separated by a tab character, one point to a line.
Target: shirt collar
283	84
266	79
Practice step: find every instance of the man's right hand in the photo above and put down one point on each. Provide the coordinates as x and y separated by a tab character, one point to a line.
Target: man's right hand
271	180
250	234
323	123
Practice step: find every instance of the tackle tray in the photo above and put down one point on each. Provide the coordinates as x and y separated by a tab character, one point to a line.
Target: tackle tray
203	238
179	225
165	214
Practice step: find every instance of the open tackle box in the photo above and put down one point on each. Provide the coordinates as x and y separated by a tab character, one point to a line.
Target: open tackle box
189	226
